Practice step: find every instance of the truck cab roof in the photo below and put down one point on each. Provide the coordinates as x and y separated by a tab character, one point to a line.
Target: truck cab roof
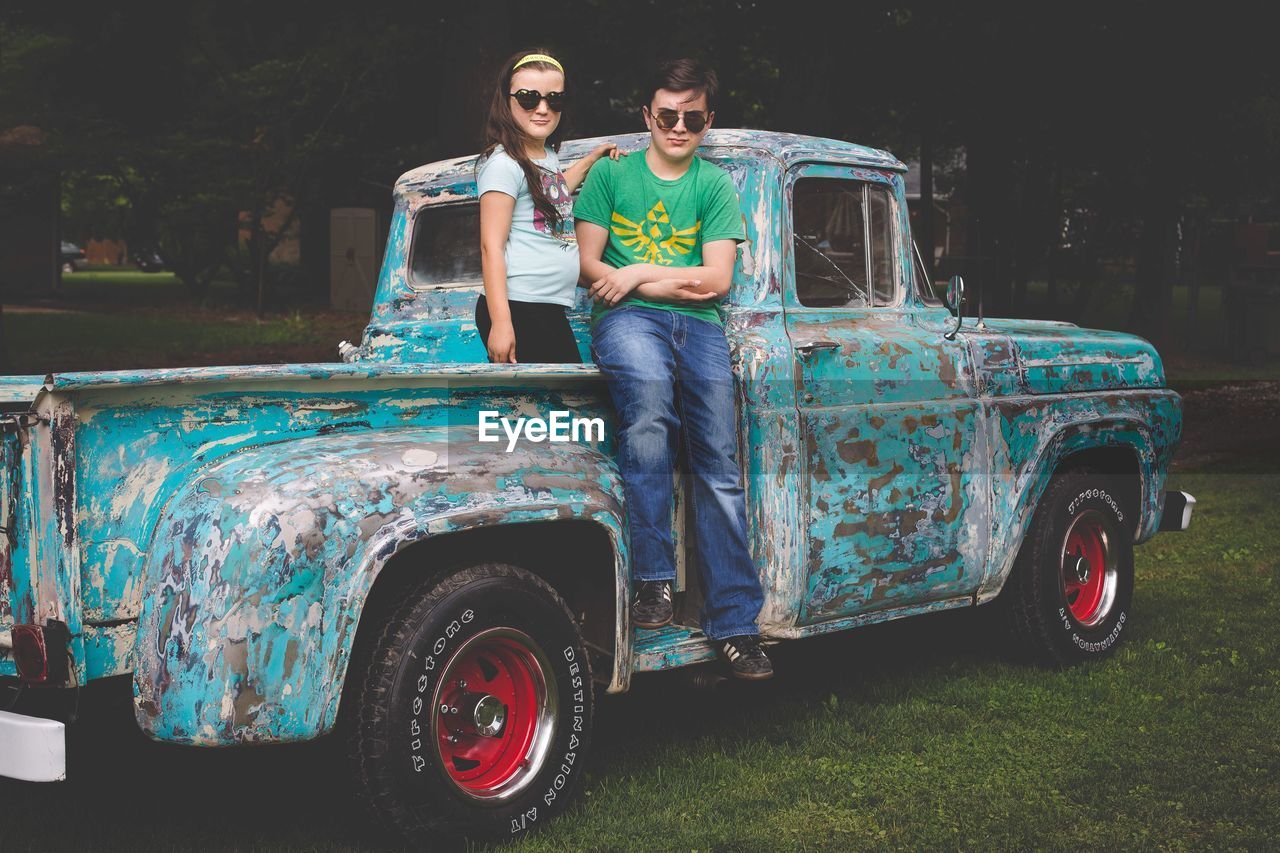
443	180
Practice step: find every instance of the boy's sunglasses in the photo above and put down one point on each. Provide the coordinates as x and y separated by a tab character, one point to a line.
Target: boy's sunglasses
694	121
528	99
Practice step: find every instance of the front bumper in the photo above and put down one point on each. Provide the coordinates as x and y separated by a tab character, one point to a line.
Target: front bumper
32	749
1177	511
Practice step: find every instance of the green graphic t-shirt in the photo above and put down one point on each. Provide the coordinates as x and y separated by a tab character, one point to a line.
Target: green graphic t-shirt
652	221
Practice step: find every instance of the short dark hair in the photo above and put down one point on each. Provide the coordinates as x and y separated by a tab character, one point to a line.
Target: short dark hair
684	75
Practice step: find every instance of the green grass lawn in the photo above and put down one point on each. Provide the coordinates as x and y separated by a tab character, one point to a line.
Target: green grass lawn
66	341
117	288
915	734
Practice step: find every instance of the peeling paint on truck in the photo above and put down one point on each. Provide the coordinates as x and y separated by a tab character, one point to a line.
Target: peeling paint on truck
216	532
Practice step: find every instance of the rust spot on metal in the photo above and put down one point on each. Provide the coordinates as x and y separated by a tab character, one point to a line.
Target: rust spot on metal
859	452
877	483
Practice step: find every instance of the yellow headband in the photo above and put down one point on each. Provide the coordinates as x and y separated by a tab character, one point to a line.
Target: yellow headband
538	57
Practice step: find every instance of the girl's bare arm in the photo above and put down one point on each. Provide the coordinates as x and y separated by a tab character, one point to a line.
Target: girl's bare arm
496	210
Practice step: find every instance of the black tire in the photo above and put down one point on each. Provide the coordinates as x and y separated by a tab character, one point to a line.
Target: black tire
506	630
1071	590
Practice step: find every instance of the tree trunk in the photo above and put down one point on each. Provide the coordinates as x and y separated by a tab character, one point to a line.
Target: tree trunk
1035	199
986	186
1193	282
1150	313
5	369
1054	236
314	228
925	239
460	78
807	72
260	272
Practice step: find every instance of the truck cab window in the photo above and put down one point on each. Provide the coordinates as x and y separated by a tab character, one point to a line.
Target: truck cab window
880	217
446	246
842	243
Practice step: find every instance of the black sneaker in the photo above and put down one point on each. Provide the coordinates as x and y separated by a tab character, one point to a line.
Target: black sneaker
652	605
745	657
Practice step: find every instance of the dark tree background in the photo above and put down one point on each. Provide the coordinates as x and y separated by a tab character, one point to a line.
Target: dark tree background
1092	136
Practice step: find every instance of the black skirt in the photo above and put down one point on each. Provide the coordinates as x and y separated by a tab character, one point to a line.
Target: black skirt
543	334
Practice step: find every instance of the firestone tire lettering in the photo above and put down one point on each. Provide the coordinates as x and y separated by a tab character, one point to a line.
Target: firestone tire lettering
424	682
1101	495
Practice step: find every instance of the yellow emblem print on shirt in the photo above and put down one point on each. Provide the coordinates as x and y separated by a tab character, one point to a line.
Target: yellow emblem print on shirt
654	241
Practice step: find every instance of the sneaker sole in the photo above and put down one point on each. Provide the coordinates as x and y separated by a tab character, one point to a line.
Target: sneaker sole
746	676
743	676
649	626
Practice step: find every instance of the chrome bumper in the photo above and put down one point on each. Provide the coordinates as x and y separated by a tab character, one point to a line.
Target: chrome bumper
32	749
1177	511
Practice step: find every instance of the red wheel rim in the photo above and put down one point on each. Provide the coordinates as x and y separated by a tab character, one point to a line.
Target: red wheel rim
493	714
1088	570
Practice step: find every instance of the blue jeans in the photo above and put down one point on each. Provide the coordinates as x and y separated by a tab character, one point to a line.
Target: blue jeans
669	375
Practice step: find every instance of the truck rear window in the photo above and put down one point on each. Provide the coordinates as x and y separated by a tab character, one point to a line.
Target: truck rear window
446	246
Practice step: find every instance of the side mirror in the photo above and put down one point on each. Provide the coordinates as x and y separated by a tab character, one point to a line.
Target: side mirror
955	302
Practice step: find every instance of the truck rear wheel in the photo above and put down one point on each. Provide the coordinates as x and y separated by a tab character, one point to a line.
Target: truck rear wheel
474	716
1072	585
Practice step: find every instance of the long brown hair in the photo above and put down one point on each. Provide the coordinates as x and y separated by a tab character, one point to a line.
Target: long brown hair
501	129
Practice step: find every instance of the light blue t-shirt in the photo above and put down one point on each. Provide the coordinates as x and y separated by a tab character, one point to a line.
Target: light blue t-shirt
542	262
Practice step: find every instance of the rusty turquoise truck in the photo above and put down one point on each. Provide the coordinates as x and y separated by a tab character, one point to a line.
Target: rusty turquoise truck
270	553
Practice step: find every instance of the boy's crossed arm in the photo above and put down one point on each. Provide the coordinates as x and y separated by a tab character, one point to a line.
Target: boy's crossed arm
657	283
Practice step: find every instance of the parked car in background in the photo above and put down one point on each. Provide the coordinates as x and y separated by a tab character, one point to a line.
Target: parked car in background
147	260
70	256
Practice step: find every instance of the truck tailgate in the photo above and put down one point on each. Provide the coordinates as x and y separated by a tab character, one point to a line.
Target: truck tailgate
17	393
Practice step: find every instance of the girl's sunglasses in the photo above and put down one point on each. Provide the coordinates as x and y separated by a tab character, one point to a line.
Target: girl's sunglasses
528	99
694	121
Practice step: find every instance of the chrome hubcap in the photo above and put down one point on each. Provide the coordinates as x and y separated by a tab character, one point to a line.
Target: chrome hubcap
489	715
1082	569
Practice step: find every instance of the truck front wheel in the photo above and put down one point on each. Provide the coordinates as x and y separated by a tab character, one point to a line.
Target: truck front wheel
474	716
1072	585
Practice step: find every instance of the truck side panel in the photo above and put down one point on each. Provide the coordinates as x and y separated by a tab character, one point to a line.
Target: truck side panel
135	446
258	584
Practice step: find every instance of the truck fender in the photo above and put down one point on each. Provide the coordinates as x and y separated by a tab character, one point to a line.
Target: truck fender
261	564
1016	496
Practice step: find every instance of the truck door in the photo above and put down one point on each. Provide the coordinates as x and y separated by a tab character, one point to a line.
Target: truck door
888	423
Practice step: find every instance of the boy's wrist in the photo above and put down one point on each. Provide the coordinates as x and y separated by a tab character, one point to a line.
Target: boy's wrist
643	273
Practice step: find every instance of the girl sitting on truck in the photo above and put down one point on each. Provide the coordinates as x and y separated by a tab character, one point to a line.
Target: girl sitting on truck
528	252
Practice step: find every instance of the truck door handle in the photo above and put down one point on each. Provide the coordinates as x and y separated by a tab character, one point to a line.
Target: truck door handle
810	348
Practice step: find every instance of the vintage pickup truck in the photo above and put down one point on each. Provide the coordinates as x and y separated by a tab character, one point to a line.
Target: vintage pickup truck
273	552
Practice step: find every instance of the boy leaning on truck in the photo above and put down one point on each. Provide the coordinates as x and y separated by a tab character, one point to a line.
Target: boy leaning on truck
657	234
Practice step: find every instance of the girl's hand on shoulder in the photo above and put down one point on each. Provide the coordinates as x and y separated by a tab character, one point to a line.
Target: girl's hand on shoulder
606	148
502	344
